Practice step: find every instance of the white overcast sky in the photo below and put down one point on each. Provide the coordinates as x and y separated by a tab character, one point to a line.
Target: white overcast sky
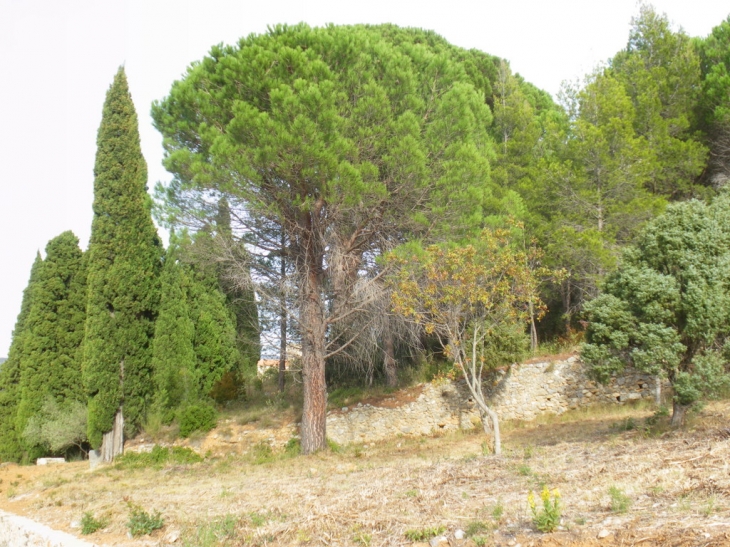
57	60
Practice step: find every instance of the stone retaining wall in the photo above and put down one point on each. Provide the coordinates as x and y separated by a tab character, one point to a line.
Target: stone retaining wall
521	392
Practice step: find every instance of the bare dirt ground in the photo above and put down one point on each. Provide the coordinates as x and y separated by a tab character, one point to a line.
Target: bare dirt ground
670	488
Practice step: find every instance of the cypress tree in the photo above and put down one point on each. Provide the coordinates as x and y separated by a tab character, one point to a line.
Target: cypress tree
10	447
215	330
124	262
54	331
173	356
195	332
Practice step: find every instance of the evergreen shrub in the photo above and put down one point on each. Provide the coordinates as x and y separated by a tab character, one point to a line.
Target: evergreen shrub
197	417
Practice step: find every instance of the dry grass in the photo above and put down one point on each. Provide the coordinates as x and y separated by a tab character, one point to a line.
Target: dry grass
677	484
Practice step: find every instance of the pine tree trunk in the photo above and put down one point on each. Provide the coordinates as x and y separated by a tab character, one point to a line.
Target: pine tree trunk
314	412
679	413
391	372
112	444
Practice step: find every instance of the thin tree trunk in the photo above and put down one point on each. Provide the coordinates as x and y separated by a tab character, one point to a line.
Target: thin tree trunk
495	431
679	413
112	442
391	373
658	390
533	329
566	306
282	319
314	412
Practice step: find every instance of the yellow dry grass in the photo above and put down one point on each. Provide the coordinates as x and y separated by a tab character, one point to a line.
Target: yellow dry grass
677	484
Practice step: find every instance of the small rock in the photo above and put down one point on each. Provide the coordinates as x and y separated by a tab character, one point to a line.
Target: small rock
603	534
75	524
172	536
438	540
511	543
459	534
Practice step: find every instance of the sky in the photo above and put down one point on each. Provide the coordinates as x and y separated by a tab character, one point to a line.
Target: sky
57	60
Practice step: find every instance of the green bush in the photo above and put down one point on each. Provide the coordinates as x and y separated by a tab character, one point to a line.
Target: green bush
141	523
198	417
158	457
89	524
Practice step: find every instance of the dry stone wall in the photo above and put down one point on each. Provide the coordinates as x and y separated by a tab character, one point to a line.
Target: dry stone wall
520	392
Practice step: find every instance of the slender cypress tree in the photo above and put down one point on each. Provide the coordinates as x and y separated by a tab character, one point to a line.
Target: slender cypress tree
124	262
173	356
54	331
10	447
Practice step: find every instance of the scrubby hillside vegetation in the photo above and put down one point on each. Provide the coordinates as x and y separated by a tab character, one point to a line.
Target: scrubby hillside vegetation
365	202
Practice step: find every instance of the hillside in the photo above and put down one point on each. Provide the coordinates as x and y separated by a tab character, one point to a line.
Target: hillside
623	477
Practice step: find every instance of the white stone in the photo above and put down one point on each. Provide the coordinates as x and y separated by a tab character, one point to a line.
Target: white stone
603	534
459	534
50	461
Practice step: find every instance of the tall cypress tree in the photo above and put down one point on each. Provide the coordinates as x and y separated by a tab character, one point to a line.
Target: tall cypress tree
10	448
54	331
173	356
124	262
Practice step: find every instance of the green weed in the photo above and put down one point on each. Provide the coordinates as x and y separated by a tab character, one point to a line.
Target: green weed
141	523
620	502
89	524
424	534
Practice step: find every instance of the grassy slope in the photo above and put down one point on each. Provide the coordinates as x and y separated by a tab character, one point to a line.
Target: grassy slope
675	487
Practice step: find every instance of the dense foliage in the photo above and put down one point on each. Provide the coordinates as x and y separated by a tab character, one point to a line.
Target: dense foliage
123	272
303	156
51	367
666	309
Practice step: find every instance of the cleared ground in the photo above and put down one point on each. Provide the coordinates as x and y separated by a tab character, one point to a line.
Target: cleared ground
621	473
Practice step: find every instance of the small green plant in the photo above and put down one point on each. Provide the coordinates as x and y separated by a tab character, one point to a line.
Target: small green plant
498	511
258	519
293	447
141	523
411	493
620	502
89	524
212	533
480	541
580	521
474	527
362	538
547	517
334	447
629	424
524	470
710	506
197	417
261	453
424	534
